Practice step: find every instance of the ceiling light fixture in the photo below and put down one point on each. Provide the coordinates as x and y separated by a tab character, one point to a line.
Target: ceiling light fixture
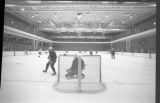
33	2
105	2
99	28
130	2
154	23
62	28
32	16
64	1
153	5
116	29
130	17
22	9
9	5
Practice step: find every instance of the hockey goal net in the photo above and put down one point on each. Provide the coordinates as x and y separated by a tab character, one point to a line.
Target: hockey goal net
79	74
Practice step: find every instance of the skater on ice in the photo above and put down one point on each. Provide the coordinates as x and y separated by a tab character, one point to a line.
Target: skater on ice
112	53
73	71
46	52
26	52
90	52
52	60
40	52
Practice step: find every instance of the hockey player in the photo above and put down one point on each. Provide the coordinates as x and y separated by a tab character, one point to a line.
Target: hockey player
26	52
52	60
46	52
73	71
90	52
40	52
112	53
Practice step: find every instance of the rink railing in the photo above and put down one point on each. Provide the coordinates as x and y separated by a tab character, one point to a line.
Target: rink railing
20	53
145	55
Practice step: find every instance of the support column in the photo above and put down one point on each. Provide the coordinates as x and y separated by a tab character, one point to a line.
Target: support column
128	41
35	42
46	46
111	45
33	45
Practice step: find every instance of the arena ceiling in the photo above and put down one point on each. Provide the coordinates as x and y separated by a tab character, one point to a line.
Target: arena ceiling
77	17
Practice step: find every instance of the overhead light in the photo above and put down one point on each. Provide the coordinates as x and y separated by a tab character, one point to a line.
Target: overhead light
116	29
130	2
39	21
81	29
33	2
105	2
99	28
32	16
62	28
9	5
153	5
12	22
154	23
130	17
64	1
22	9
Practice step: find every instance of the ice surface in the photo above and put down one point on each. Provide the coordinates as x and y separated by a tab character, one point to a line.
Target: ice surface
129	79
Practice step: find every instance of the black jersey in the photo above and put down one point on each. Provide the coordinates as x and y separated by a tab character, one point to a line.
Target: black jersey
52	55
112	52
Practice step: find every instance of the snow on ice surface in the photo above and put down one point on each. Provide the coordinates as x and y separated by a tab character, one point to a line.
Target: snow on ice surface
129	79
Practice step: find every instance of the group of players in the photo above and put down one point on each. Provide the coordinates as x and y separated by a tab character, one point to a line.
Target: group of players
72	72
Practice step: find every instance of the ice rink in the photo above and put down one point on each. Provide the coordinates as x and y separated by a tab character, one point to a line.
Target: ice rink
128	79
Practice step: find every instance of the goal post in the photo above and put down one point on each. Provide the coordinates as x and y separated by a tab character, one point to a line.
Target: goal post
80	74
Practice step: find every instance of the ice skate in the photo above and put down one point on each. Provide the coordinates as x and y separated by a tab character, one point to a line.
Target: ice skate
75	76
44	71
53	74
72	77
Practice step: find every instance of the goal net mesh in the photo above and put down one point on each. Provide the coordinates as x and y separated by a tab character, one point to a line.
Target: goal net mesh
81	75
